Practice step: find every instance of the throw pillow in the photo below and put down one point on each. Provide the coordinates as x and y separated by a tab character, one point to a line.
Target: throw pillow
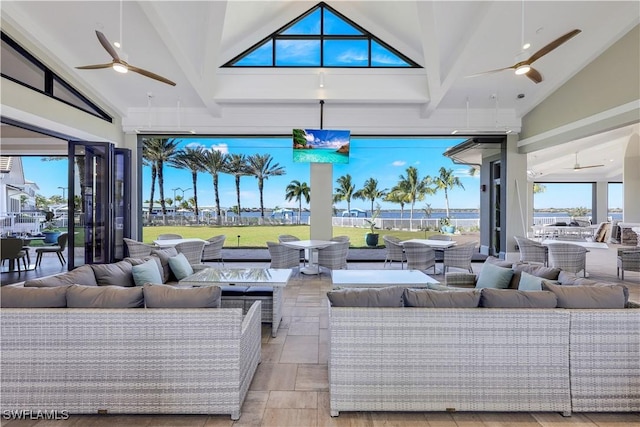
367	297
180	266
440	299
493	276
165	296
164	255
608	296
537	270
116	274
79	296
511	298
529	282
46	297
146	272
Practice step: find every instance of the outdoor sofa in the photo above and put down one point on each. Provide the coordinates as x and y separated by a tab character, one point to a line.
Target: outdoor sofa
484	350
126	350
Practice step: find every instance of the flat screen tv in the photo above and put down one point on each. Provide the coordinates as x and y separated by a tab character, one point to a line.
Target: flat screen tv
321	146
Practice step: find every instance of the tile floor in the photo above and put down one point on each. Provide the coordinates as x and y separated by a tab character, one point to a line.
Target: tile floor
290	387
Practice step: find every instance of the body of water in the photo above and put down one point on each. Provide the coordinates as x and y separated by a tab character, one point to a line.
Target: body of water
319	155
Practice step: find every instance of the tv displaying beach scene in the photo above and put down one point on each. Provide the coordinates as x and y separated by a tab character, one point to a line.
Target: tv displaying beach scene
321	146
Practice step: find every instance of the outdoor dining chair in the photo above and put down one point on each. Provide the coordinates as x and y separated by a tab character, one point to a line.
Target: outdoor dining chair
628	259
443	237
532	251
283	256
395	251
459	257
56	249
334	257
213	251
568	257
291	238
169	236
11	249
137	249
192	250
419	256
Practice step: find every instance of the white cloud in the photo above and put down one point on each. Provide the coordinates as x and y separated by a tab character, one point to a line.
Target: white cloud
223	148
398	163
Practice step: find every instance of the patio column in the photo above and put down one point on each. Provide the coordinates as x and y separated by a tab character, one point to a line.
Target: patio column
631	179
516	203
600	203
321	205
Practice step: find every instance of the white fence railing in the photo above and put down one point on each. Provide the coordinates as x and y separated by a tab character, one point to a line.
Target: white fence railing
405	223
26	222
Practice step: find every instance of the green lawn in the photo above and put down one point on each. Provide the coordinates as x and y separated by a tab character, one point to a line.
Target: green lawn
257	236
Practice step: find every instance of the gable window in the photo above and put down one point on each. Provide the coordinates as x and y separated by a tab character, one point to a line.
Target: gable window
322	37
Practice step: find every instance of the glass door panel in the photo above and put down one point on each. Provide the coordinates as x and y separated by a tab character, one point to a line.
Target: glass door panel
121	201
90	167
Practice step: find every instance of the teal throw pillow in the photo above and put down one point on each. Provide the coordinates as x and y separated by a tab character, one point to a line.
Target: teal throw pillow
493	276
147	272
180	266
529	282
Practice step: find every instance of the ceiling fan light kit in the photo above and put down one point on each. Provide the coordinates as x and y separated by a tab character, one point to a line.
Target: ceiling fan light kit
120	68
523	69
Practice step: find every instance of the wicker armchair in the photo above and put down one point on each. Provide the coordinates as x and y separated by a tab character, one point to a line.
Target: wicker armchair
340	239
191	250
395	251
169	236
283	256
568	257
459	257
213	251
334	257
419	256
291	238
446	238
137	249
532	251
628	259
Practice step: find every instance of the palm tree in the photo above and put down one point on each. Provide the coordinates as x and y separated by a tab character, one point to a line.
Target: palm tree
260	167
297	190
213	161
190	158
370	192
236	165
539	188
147	160
160	151
446	181
344	191
399	196
415	189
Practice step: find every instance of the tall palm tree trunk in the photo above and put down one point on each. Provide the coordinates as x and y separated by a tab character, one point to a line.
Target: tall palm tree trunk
446	201
154	174
238	196
194	179
217	197
163	204
260	189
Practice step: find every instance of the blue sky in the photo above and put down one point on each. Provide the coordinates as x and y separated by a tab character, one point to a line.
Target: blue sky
382	159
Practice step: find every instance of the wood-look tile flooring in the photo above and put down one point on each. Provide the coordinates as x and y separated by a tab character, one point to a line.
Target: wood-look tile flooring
290	387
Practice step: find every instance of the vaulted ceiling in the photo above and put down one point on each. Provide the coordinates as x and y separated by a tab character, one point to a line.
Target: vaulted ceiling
187	41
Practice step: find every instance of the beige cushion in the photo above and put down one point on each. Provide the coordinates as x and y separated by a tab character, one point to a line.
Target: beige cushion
566	278
367	297
116	274
164	255
79	296
607	296
82	275
499	262
44	297
165	296
441	299
511	298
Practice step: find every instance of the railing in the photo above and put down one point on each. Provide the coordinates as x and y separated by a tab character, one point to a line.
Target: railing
405	223
26	222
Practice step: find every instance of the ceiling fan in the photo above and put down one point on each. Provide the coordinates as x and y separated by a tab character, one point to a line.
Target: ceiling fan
119	64
577	167
524	67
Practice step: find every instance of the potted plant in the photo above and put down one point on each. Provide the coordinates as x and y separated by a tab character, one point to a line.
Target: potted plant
371	238
51	233
446	227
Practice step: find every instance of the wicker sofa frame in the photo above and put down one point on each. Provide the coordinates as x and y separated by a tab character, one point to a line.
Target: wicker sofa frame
429	359
133	361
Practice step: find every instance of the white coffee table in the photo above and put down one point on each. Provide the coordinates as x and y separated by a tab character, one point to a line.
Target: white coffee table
381	278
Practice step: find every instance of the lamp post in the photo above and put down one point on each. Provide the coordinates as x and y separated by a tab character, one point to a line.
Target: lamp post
63	192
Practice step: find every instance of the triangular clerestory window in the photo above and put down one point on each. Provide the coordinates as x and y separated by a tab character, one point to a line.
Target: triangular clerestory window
322	37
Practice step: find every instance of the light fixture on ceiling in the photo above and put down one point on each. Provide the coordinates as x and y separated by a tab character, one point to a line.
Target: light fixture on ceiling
120	68
321	79
523	69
